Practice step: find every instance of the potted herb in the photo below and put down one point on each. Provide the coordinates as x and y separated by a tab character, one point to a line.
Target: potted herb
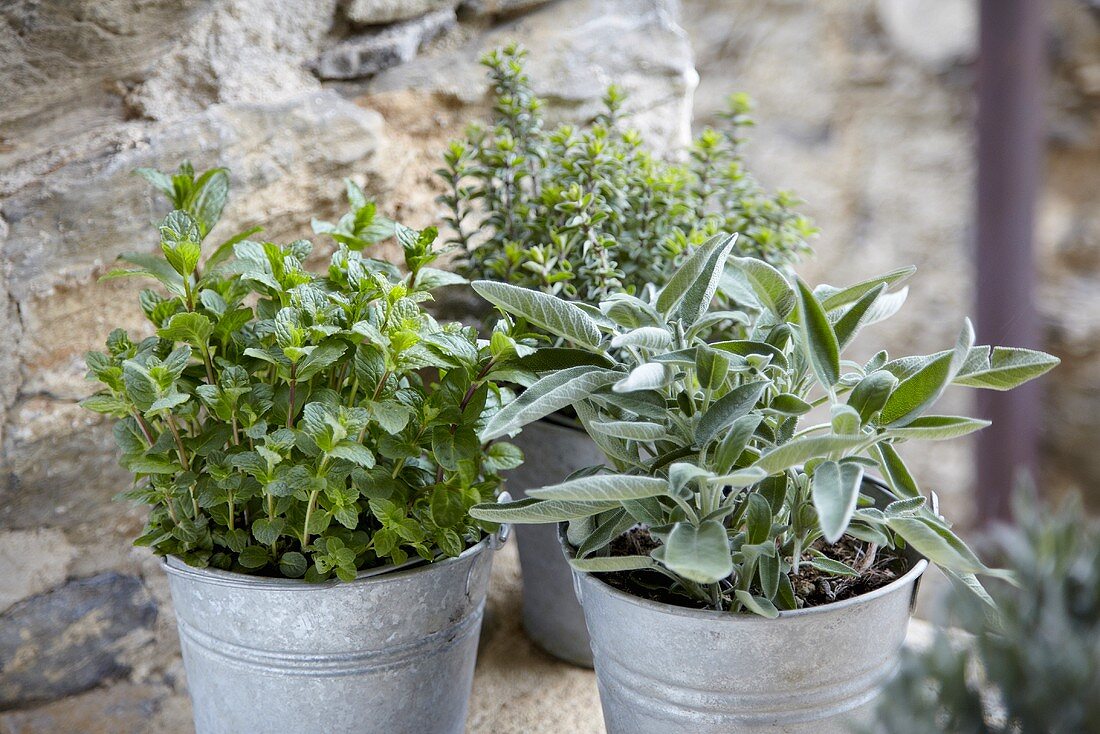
1031	666
307	447
738	570
583	213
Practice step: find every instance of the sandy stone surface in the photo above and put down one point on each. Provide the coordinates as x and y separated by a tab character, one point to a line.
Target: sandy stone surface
517	687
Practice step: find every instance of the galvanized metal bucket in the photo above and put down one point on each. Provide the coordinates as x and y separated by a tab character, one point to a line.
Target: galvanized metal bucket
553	449
663	669
392	651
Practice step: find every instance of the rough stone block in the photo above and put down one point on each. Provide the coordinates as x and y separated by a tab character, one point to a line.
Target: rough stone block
57	56
46	479
70	639
577	48
367	54
378	12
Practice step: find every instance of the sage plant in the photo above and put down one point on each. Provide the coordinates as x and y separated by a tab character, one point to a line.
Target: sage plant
714	446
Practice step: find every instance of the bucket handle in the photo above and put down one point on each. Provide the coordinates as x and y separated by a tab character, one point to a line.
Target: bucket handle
500	537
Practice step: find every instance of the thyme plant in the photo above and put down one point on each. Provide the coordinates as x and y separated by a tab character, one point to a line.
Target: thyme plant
1034	665
708	442
588	212
286	422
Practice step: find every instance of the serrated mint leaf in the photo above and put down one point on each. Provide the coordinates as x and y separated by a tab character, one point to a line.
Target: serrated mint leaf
191	328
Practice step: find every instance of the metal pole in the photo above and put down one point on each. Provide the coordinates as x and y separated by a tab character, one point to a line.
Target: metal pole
1010	153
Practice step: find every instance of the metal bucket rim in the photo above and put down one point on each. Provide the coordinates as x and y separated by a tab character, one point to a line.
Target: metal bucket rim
177	567
909	577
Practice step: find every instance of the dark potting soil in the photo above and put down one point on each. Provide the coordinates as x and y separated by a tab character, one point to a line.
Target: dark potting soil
645	584
816	588
812	587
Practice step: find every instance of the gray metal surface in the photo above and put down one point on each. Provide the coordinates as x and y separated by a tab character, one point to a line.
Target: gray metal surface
663	669
392	651
552	617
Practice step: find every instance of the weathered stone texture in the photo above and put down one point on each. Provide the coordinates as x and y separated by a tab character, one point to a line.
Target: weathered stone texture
377	12
33	561
501	7
70	639
124	708
236	51
576	49
58	56
1069	237
368	53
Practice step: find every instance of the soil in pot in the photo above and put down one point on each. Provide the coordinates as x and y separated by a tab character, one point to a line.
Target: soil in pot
878	568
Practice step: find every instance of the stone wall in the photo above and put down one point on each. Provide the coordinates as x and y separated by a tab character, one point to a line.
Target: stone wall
864	108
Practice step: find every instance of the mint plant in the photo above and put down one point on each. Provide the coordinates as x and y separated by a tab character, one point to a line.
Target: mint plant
1032	666
586	213
716	448
285	422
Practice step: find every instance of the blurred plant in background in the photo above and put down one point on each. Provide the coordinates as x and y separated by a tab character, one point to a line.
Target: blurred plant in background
584	213
1032	666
